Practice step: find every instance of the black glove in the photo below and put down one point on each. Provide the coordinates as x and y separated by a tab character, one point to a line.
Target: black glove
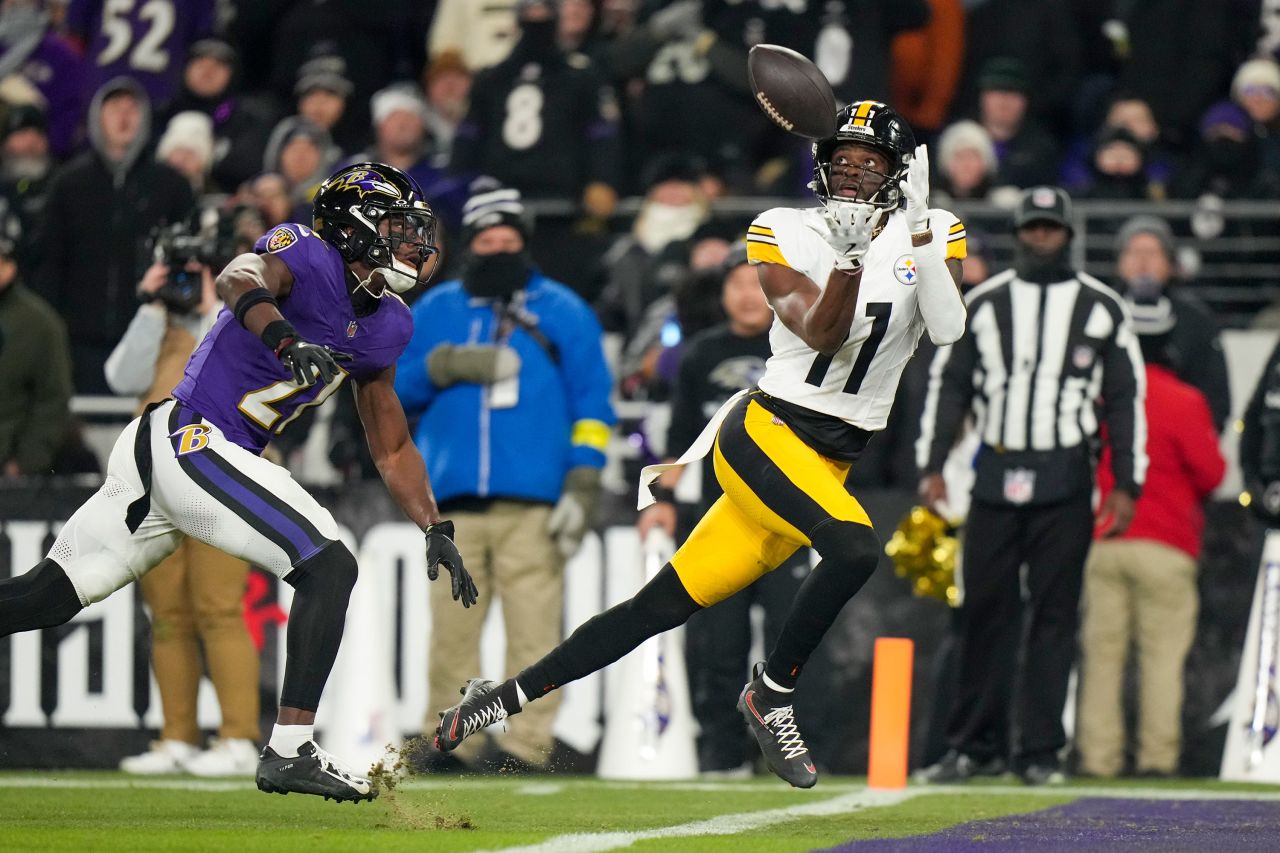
442	551
310	362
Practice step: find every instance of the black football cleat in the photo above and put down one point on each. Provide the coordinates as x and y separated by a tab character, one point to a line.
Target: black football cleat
481	706
956	767
311	771
774	727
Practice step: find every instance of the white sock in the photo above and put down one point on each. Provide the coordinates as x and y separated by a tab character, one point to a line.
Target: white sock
520	695
285	740
769	682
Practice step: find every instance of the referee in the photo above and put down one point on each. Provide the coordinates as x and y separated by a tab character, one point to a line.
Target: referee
1047	352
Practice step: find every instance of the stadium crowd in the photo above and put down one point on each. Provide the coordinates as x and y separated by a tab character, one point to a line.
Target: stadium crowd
140	139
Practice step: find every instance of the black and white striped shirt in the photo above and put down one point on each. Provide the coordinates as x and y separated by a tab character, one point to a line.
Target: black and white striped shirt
1037	364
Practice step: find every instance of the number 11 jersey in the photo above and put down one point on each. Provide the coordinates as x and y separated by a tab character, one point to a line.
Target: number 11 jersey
857	384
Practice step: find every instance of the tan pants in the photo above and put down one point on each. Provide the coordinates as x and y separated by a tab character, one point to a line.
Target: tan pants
195	600
511	557
1142	592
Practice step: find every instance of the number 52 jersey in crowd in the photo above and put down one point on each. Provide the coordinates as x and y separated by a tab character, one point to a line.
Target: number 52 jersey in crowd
237	384
857	384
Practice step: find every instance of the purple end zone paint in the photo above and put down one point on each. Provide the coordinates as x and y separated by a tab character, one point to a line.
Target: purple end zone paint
1106	824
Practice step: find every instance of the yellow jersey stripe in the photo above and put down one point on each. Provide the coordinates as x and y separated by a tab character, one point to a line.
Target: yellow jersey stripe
958	226
958	249
591	433
760	252
760	229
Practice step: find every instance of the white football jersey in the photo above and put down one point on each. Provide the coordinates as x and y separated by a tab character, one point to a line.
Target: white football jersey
858	383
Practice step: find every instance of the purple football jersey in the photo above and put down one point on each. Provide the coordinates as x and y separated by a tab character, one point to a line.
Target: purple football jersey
239	385
143	39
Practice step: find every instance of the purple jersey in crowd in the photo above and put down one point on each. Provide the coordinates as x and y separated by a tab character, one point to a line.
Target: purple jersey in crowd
143	39
239	385
58	72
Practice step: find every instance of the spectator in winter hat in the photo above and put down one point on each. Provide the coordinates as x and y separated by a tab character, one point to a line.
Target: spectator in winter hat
966	161
187	145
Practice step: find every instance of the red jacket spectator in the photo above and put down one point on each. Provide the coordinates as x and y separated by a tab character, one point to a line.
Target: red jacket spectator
1186	464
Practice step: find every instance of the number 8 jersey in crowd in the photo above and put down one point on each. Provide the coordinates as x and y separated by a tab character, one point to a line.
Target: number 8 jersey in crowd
857	384
235	383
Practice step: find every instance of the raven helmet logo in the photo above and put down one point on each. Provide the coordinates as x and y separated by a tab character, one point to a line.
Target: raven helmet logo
365	181
191	438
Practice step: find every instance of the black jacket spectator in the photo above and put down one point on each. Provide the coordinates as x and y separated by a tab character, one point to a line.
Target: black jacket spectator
1118	167
241	124
102	209
1043	36
540	121
1162	41
1025	153
26	170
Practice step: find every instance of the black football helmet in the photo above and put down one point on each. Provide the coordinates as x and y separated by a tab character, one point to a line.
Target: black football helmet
875	125
375	213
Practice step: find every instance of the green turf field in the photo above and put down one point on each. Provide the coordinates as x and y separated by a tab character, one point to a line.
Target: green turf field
107	811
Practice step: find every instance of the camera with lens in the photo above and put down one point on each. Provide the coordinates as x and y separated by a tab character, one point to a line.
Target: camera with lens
179	247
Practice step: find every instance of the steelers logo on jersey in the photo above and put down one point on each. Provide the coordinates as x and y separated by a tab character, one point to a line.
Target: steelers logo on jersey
904	270
281	239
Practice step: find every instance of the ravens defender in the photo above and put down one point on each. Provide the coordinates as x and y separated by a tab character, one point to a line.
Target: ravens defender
853	284
303	301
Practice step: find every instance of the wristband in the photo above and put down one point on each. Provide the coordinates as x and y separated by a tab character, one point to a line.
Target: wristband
279	334
662	494
254	297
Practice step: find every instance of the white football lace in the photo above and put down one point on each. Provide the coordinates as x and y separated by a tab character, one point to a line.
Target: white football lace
782	722
486	716
331	765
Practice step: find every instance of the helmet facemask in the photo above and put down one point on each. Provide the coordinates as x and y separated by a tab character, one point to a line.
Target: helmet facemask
884	189
403	253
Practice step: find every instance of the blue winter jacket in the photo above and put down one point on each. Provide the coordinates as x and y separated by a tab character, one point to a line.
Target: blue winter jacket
562	418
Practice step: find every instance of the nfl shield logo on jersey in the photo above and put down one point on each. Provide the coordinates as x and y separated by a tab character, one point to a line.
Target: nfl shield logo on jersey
1082	357
1019	485
351	329
905	270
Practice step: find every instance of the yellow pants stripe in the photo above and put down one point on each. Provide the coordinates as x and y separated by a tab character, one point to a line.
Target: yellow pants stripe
776	490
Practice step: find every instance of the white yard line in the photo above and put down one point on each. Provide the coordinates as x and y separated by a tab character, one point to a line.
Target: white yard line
731	824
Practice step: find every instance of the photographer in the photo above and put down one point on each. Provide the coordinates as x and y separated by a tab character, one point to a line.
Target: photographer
195	594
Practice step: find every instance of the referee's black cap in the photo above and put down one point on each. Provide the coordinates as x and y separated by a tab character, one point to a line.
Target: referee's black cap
1043	204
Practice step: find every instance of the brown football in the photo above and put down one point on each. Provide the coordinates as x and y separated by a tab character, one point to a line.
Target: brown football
792	91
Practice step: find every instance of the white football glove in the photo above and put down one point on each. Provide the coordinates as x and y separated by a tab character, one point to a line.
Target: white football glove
916	190
851	225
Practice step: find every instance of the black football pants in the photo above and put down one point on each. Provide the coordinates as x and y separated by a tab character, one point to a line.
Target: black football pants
1053	542
718	641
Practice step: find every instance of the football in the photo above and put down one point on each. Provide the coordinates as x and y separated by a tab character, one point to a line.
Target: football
792	91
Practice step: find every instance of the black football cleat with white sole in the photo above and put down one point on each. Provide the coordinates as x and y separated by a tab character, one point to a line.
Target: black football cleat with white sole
772	719
481	707
311	771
